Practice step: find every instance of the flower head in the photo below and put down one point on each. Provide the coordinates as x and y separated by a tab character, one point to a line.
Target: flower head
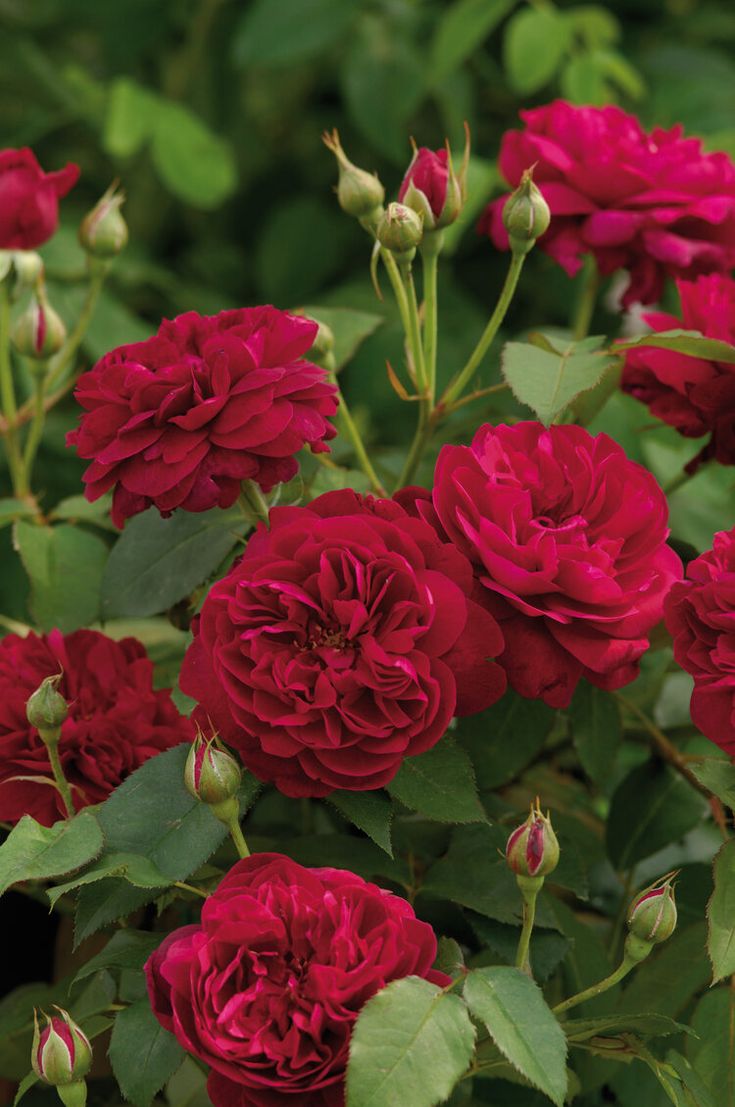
29	199
652	914
61	1052
532	848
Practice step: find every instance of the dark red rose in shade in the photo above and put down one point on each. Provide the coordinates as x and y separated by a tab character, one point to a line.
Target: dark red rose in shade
342	641
116	720
181	419
654	204
694	395
267	988
29	199
700	615
569	540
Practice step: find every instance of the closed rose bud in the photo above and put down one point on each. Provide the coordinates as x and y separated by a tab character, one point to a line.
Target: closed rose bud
400	229
103	233
432	188
212	775
39	332
61	1053
47	709
28	268
532	849
652	914
360	194
321	351
526	215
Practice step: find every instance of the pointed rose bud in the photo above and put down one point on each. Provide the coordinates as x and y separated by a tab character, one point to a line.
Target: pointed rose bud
432	188
28	269
360	194
532	849
321	351
103	232
61	1053
39	332
526	215
212	775
47	709
400	230
652	914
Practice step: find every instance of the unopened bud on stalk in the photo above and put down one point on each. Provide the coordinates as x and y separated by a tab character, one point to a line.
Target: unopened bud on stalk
28	268
322	348
39	332
47	709
432	188
360	194
400	230
103	232
62	1056
532	849
526	215
652	915
213	776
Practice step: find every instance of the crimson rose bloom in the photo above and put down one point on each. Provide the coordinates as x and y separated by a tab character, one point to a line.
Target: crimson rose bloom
700	615
343	641
654	204
181	419
690	393
266	990
29	199
569	540
116	720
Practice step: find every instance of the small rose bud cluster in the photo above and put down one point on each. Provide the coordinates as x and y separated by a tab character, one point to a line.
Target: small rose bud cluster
62	1056
532	851
652	918
213	776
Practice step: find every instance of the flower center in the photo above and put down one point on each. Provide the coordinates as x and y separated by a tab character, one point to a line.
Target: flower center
326	638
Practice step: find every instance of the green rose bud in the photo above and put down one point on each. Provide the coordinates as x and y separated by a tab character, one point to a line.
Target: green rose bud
213	776
652	914
47	709
400	229
526	215
61	1053
39	332
360	194
103	233
532	849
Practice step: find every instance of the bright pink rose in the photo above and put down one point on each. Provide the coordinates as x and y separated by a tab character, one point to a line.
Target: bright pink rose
116	720
700	615
654	204
181	419
29	199
266	990
343	641
569	540
693	395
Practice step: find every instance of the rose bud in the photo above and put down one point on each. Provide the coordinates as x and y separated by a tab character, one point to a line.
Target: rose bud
28	268
532	849
39	332
213	776
62	1056
321	351
652	914
432	188
400	230
103	232
359	193
526	215
47	709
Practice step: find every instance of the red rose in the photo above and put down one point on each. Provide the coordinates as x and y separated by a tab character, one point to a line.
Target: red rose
432	188
654	204
267	988
694	395
569	540
700	615
340	643
29	199
181	419
116	720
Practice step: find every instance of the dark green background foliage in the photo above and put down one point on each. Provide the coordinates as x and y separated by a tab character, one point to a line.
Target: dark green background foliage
210	114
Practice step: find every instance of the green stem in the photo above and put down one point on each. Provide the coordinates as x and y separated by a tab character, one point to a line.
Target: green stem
237	837
253	502
458	385
430	248
7	393
345	415
61	362
61	782
421	438
597	989
587	300
399	291
34	435
414	334
523	961
189	888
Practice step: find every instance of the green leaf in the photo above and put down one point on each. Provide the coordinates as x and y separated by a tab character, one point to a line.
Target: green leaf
194	163
156	562
503	739
692	343
143	1055
350	328
126	949
583	80
643	1025
596	730
461	29
440	784
547	380
652	807
11	509
411	1044
719	776
535	43
65	566
721	915
695	1092
130	117
77	509
290	31
135	869
711	1049
522	1026
372	812
35	852
26	1083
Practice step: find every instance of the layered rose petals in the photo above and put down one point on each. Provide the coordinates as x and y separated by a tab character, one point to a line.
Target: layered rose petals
266	990
182	419
692	394
569	541
655	204
116	719
343	641
29	199
700	615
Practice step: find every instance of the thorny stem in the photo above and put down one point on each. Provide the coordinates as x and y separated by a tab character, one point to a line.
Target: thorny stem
61	782
597	989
